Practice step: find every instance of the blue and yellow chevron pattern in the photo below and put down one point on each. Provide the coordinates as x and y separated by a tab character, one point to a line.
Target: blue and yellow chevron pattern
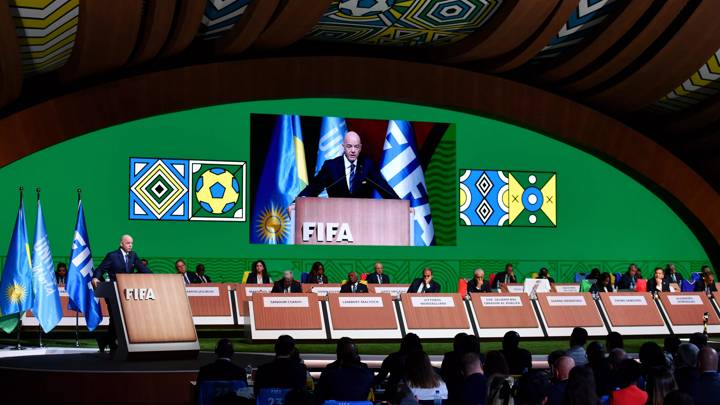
221	16
702	85
587	15
403	22
46	32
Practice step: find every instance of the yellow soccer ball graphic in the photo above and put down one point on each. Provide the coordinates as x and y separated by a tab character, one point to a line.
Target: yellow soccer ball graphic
217	190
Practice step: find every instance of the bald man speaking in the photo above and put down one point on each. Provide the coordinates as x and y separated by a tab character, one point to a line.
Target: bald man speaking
349	175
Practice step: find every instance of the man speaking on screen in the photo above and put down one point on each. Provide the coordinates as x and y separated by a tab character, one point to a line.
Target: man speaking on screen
349	175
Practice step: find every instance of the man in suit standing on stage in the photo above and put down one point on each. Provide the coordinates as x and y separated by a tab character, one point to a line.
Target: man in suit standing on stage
122	260
353	285
378	277
349	175
425	284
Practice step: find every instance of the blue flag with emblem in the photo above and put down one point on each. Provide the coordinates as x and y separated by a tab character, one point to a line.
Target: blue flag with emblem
79	287
401	168
332	132
46	304
16	291
283	177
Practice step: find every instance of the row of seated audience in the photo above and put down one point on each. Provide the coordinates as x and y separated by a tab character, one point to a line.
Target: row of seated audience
582	374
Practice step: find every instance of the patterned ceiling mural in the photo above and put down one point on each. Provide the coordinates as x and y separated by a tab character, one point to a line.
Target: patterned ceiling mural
580	26
221	16
403	22
702	85
46	32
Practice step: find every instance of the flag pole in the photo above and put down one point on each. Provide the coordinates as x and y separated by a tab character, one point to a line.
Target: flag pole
18	346
77	321
37	190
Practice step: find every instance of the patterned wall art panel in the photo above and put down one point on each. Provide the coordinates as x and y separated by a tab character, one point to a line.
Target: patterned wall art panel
183	190
581	25
508	198
221	16
702	85
403	22
46	32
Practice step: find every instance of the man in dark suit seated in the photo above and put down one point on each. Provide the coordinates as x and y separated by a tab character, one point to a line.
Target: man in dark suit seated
504	277
223	369
287	284
285	371
478	283
378	277
706	390
353	285
658	282
200	273
349	175
425	284
672	275
348	380
519	360
188	276
474	384
122	260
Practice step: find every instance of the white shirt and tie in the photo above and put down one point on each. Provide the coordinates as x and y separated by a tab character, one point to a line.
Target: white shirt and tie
203	279
187	279
350	170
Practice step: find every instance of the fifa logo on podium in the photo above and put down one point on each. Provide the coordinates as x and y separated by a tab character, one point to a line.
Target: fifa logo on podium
139	294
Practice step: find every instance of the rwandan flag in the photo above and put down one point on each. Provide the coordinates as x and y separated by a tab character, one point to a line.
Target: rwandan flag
283	178
16	290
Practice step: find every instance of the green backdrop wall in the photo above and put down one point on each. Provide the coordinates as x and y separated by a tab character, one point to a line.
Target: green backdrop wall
605	218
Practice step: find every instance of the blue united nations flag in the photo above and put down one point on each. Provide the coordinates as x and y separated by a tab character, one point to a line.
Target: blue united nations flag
46	306
401	168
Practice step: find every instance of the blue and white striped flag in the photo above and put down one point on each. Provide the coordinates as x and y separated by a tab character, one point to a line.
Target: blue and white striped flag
401	168
79	277
332	132
46	304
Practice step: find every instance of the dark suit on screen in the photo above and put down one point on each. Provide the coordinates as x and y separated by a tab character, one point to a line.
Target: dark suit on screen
434	286
473	288
279	287
112	264
252	278
332	177
372	278
347	288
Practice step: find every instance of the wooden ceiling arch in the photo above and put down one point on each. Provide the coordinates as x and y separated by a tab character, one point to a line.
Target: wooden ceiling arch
45	124
291	23
156	25
187	20
10	66
248	28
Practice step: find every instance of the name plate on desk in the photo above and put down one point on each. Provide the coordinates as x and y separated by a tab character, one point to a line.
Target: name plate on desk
249	291
323	291
685	300
360	302
490	301
430	301
202	291
515	288
627	300
567	288
392	290
566	301
285	302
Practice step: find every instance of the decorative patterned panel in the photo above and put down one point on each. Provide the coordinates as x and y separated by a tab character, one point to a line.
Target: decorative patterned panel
221	16
181	190
497	198
700	86
587	16
403	22
46	32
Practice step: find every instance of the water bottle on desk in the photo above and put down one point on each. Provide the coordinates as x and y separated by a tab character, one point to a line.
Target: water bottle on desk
437	399
248	374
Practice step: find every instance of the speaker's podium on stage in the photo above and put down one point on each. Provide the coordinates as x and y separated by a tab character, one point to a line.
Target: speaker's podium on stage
152	316
352	221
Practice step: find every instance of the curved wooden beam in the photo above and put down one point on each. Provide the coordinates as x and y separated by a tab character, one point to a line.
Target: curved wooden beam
621	23
10	68
248	28
291	23
71	115
154	31
185	26
514	23
550	27
678	59
626	54
692	120
107	32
